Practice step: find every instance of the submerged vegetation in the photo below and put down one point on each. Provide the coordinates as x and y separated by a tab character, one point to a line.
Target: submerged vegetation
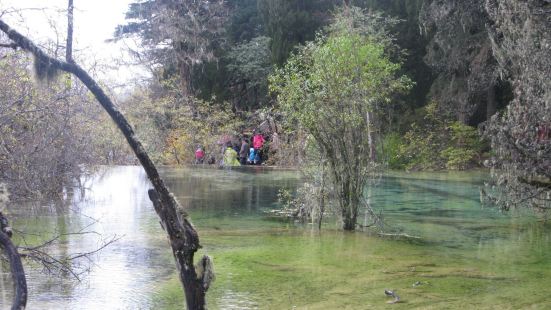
466	254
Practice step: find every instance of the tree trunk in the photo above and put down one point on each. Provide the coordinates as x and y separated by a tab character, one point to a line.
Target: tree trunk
181	233
349	210
69	45
349	221
491	104
185	75
16	267
322	194
370	137
347	199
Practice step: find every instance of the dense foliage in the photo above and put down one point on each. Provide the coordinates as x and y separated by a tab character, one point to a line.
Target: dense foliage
521	134
289	23
173	126
333	88
436	142
178	35
45	131
248	69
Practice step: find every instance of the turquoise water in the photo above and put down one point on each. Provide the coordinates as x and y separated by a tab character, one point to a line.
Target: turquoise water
463	256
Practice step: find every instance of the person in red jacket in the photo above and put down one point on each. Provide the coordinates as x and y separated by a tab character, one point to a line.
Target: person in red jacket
199	155
258	143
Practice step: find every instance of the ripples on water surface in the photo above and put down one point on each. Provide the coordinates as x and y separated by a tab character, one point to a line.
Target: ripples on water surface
467	257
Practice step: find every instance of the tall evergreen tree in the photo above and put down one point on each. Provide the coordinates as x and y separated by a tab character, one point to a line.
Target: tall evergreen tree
177	34
289	23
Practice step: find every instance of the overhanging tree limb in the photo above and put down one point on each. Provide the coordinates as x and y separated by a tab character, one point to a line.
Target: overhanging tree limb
183	237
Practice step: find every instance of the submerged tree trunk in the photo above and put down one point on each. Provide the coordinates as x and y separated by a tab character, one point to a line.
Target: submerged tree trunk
350	215
181	233
349	222
348	204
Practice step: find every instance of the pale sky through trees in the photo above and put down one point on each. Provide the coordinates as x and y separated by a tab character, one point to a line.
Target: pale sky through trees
94	22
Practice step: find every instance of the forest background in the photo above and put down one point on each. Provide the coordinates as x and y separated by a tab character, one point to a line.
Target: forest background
210	63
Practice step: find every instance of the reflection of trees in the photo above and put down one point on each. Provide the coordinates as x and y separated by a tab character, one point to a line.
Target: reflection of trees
227	192
519	244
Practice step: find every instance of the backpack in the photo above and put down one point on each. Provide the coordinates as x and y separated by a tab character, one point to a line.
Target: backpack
251	154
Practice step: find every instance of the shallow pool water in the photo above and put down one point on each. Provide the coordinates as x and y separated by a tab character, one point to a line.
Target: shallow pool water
463	256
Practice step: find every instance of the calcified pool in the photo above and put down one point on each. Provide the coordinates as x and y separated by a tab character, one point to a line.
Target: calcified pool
466	256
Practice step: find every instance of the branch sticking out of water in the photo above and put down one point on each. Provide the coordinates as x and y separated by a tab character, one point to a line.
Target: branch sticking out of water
68	265
400	235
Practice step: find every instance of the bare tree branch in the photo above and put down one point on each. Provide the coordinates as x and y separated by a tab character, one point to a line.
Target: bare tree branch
10	45
183	237
63	265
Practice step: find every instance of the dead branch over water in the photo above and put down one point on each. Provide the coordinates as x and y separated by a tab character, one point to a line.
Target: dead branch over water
183	237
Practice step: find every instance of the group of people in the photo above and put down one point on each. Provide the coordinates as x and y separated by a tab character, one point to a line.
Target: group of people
245	154
236	155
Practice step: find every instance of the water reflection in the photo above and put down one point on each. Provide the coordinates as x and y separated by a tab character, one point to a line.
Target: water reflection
115	204
266	264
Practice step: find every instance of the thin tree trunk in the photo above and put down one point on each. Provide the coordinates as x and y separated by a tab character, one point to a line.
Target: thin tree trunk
69	45
183	237
370	137
346	4
322	194
368	206
349	222
185	75
347	206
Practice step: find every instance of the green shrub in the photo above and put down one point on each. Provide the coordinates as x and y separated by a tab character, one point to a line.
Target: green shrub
436	143
392	144
465	146
458	158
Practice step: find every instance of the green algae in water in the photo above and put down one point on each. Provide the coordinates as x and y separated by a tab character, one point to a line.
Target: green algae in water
467	257
282	269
